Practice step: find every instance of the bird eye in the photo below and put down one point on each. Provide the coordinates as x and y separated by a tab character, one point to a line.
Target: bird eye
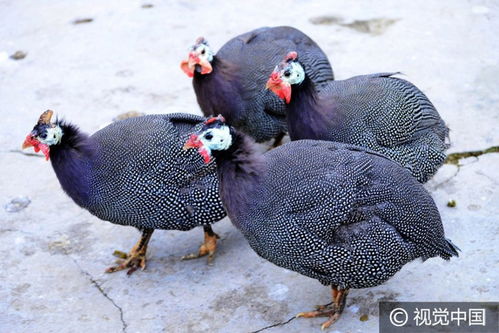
287	73
203	51
43	135
208	136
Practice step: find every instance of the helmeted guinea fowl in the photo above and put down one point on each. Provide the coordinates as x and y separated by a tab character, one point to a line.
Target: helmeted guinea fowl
134	172
376	111
341	214
231	82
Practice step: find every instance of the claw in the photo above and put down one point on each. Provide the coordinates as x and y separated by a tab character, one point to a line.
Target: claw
132	261
211	257
313	314
332	319
191	256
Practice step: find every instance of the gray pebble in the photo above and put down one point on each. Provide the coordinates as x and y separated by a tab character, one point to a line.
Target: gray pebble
17	204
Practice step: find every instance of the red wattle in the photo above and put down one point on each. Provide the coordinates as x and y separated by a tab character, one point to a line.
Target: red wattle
205	66
281	89
45	150
204	153
184	65
37	146
285	93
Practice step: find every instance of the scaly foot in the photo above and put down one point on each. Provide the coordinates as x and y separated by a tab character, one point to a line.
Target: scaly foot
136	258
332	310
328	310
133	260
208	247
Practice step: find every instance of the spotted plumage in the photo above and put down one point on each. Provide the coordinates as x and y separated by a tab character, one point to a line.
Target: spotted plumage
232	83
378	111
134	172
159	185
344	215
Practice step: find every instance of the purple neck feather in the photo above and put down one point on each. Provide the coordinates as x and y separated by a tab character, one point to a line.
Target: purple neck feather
218	92
306	116
72	163
240	169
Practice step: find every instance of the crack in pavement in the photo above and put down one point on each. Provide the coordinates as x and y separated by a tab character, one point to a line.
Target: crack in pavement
275	325
437	186
99	288
15	230
458	166
454	159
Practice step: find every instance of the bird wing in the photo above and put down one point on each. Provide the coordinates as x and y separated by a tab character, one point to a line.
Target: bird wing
348	210
389	115
321	192
151	178
394	110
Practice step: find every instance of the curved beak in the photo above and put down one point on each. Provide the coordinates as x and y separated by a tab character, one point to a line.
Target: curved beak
189	65
30	141
27	143
279	87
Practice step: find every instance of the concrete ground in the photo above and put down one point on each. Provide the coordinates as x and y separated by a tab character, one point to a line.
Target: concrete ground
53	254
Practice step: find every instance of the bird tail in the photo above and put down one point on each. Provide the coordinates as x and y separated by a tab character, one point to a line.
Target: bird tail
450	250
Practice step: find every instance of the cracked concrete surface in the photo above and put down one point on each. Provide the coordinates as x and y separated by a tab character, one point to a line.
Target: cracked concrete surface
99	288
127	59
275	325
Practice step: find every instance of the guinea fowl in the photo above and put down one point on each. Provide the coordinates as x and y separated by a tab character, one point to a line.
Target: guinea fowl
134	172
376	111
232	81
344	215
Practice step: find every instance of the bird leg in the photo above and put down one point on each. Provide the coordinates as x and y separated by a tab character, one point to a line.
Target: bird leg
332	310
207	248
137	256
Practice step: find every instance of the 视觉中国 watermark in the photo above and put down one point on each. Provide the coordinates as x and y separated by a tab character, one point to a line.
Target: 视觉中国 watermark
428	317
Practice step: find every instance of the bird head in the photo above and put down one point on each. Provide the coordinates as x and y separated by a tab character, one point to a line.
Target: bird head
199	59
215	135
286	73
44	135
